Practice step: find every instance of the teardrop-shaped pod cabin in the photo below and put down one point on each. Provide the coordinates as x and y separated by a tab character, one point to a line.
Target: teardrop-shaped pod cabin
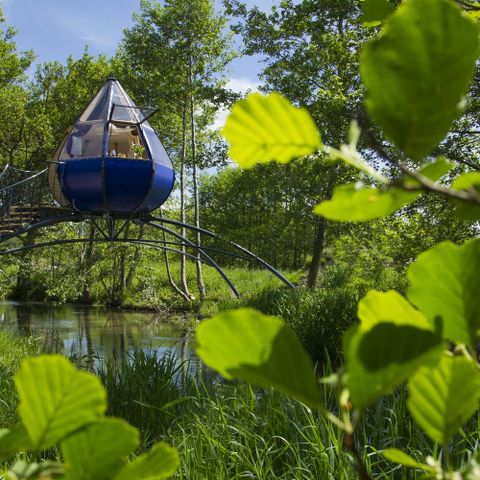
112	161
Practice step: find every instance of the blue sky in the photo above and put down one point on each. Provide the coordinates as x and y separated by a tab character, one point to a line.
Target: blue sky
55	29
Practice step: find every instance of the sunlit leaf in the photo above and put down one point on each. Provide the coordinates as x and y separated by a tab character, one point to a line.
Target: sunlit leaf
389	307
264	128
444	283
391	342
418	71
355	203
443	398
397	456
248	345
467	210
466	181
160	462
56	399
100	450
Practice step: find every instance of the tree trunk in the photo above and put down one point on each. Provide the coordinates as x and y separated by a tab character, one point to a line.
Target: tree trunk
196	196
123	262
318	246
319	242
136	259
183	265
87	267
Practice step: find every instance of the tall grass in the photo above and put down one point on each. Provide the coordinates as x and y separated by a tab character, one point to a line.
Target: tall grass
227	430
319	318
13	350
146	389
240	432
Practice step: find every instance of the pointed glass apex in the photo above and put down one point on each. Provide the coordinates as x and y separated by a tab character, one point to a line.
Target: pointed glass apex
112	103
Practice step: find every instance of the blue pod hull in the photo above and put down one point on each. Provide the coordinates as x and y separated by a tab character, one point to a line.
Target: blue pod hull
118	185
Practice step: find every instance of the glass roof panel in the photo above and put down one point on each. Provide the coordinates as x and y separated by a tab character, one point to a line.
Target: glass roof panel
98	107
124	110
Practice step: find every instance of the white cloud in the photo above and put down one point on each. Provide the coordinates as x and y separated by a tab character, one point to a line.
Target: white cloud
85	26
241	85
102	41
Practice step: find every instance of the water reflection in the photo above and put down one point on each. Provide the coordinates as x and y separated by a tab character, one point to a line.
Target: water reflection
91	335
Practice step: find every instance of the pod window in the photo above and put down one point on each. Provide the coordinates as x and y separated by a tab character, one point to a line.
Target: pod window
125	141
85	141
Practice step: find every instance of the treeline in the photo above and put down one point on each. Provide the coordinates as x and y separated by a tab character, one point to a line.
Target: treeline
176	57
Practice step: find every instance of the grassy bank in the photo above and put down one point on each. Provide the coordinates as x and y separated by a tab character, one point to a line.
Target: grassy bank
151	289
13	350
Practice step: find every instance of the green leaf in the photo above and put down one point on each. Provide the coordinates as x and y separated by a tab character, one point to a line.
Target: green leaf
14	440
263	128
437	169
418	71
442	399
397	456
248	345
466	181
444	283
355	203
391	342
99	451
467	210
389	307
376	11
56	399
160	462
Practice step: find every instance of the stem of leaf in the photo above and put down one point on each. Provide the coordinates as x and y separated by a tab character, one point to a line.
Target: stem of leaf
350	444
428	185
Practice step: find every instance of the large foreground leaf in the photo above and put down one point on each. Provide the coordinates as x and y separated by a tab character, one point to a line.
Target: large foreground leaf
391	342
263	128
443	398
159	463
417	72
100	450
248	345
444	282
56	399
376	11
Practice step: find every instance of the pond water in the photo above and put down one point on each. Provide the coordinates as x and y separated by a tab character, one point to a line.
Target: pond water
96	333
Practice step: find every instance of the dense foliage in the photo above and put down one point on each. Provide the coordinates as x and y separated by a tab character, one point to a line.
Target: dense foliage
311	52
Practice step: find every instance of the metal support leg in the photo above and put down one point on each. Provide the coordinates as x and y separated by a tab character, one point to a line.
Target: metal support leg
235	245
202	252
